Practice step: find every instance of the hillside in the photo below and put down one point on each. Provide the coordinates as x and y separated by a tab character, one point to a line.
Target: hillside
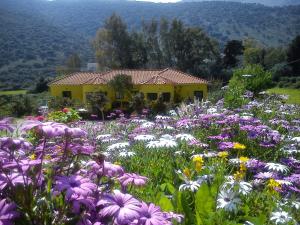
30	48
264	2
38	35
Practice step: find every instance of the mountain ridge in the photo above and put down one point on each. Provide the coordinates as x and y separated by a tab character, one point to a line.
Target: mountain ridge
64	26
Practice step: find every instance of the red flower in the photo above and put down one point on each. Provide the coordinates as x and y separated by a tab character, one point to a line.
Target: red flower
66	110
40	118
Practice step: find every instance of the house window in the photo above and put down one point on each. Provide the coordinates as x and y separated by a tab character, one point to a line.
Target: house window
119	95
198	95
152	96
67	94
166	96
97	95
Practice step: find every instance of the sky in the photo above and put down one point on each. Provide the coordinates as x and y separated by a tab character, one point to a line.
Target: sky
162	1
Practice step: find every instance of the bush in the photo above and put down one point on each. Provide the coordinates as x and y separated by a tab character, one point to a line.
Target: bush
22	105
253	77
58	103
250	78
65	116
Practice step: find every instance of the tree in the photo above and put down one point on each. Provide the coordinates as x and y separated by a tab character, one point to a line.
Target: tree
138	102
232	49
122	85
97	103
191	48
293	55
112	44
41	85
73	62
138	50
274	56
152	42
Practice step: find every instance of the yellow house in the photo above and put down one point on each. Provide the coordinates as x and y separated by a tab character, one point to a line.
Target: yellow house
172	85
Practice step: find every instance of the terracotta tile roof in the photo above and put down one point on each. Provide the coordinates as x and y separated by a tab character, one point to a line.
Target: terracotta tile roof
166	76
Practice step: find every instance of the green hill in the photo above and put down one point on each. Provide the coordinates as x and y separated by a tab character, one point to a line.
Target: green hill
37	35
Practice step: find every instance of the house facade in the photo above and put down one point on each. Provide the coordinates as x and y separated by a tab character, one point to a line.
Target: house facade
172	85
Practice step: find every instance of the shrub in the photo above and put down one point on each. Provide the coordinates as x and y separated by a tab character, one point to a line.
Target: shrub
253	77
250	78
57	103
65	116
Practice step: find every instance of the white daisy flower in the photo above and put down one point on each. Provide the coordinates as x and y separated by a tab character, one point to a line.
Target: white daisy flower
189	185
172	113
280	217
212	110
247	75
268	111
144	137
118	146
167	137
185	137
284	182
153	144
160	117
228	200
248	223
295	205
168	143
296	139
126	154
103	136
243	187
138	121
147	125
235	161
167	127
107	140
277	167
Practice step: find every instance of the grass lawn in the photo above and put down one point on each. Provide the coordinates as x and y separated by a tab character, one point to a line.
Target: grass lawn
16	92
294	94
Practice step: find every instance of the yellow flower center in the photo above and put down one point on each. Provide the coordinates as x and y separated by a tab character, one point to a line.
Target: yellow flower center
223	154
237	145
32	157
187	172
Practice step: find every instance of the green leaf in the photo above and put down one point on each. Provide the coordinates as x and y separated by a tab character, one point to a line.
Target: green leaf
204	204
165	204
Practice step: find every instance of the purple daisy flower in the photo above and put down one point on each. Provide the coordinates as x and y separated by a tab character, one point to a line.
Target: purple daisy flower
75	185
122	207
7	212
225	145
132	178
152	215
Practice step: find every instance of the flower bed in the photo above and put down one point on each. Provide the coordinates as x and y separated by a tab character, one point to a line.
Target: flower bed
201	164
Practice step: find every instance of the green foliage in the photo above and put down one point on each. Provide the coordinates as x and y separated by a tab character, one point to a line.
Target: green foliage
97	103
138	103
294	55
232	49
58	103
17	105
41	85
121	83
250	78
67	115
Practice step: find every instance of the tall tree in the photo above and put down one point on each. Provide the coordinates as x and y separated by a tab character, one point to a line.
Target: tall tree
191	49
73	62
232	49
293	55
138	50
112	44
151	33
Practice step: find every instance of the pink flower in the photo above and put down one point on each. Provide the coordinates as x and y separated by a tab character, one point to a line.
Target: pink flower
131	178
